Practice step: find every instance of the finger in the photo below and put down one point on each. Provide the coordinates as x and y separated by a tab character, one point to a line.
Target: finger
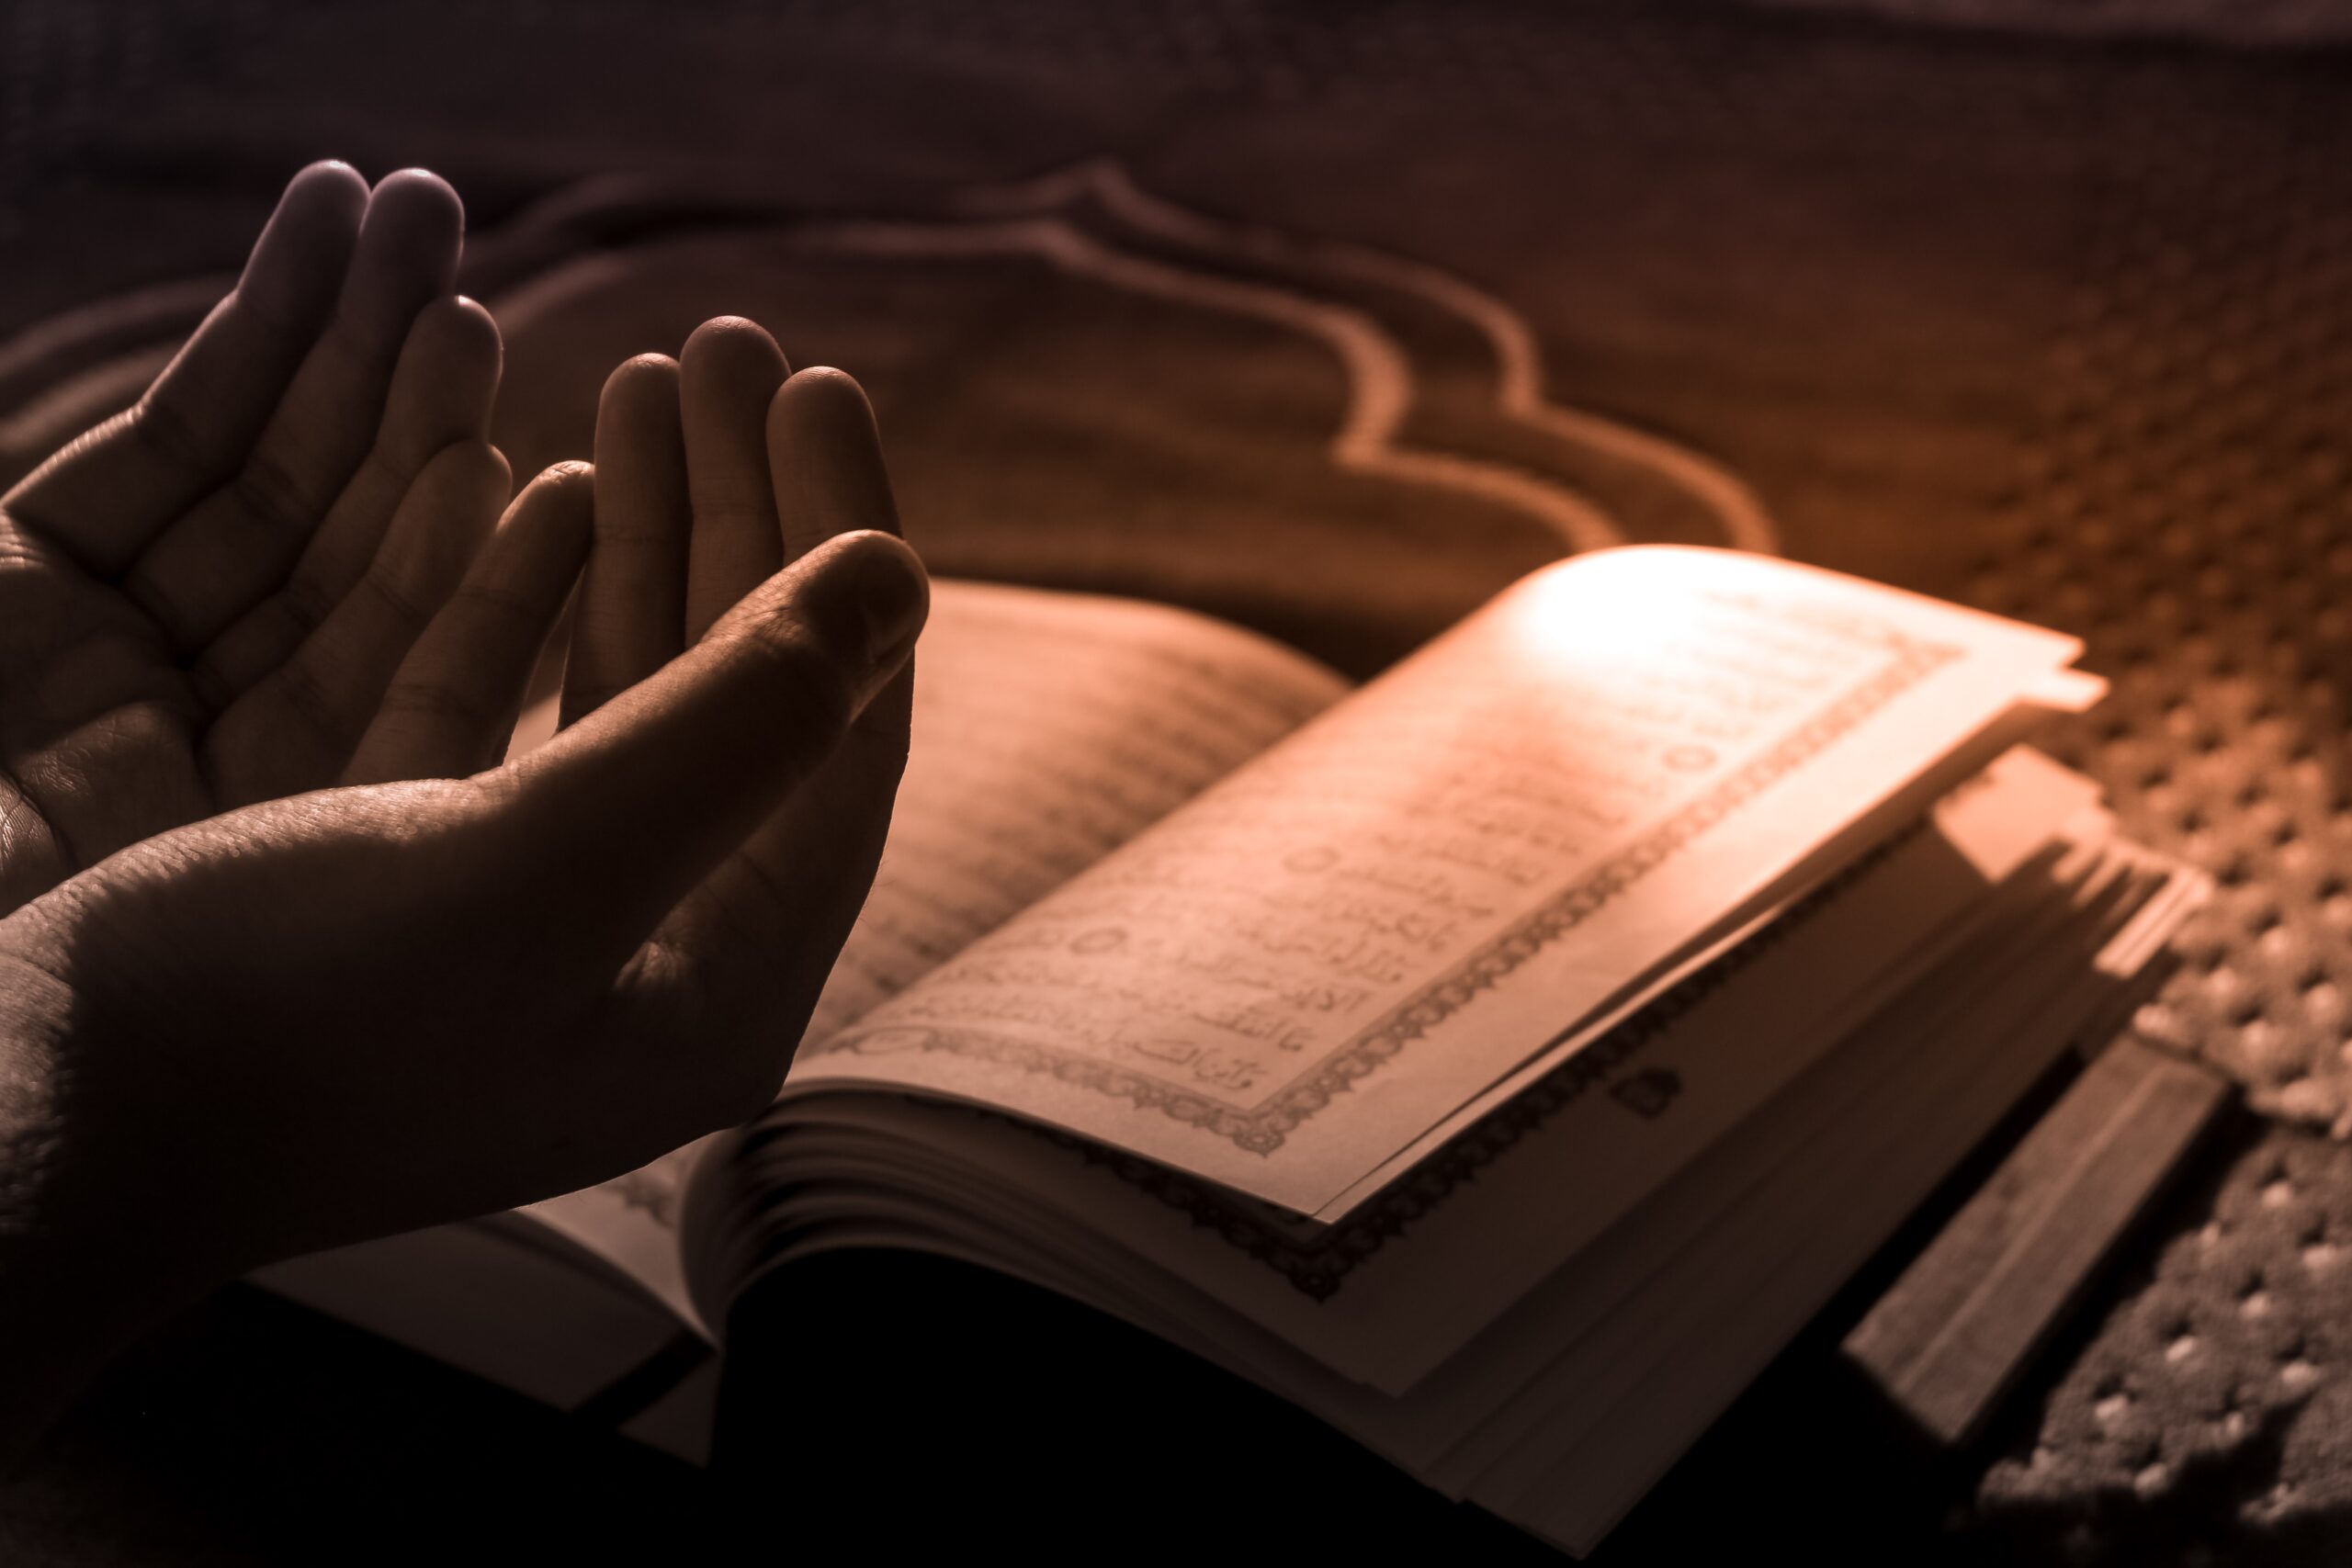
788	899
738	967
238	543
442	388
825	455
631	616
109	493
297	728
452	704
728	370
753	944
683	766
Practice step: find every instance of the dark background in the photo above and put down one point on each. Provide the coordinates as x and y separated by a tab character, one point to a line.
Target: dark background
2057	321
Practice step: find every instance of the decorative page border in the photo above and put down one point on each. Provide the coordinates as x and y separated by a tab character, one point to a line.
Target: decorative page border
1316	1260
1263	1129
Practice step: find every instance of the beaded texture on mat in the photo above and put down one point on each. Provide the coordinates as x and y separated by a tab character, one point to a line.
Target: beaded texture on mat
2185	506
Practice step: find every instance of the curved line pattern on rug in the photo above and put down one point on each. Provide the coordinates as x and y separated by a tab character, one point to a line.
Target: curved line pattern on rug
1519	359
1026	218
1380	374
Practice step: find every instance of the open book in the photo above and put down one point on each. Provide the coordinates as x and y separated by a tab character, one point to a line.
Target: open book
1704	907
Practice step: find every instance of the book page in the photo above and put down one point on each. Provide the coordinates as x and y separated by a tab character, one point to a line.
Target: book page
1421	1268
1049	728
1295	977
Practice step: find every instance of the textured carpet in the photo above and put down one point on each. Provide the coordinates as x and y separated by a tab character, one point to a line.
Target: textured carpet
2059	325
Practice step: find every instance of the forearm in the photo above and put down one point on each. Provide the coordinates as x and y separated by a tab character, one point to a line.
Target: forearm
67	1306
87	1260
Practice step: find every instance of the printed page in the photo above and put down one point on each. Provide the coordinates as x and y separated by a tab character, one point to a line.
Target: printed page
2052	789
1422	1269
1049	728
1295	977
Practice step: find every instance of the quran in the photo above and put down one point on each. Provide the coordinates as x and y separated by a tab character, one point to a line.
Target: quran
1501	1060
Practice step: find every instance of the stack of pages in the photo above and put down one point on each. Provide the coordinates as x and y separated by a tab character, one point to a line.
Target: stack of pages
1501	1061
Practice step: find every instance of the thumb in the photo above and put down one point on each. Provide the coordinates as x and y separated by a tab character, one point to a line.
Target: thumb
633	805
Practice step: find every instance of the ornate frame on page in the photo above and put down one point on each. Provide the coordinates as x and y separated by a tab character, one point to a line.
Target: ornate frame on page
1264	1127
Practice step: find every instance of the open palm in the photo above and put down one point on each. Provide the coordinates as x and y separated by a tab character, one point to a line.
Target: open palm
454	985
204	601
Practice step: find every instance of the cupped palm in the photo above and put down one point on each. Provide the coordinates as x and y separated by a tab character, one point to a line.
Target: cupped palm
204	601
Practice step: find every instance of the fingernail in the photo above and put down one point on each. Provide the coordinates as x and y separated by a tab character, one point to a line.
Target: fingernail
894	595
